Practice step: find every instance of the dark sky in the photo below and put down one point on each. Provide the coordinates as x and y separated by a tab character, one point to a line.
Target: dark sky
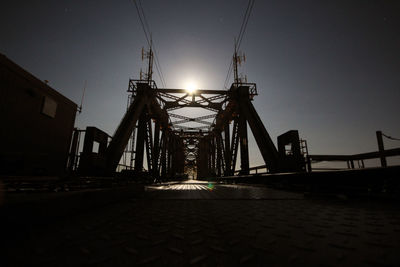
327	68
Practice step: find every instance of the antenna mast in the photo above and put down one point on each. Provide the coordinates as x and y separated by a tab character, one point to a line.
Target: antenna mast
150	56
235	66
237	61
83	95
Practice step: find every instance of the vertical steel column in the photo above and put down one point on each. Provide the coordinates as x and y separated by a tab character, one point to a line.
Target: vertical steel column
219	159
140	140
164	142
73	150
202	159
309	167
234	145
149	145
228	156
174	162
179	158
244	148
381	148
209	153
220	155
156	149
212	155
169	155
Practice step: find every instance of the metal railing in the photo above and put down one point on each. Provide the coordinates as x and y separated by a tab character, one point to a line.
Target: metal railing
351	159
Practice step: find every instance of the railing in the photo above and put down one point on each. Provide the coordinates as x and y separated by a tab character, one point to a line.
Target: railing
252	88
350	159
77	149
256	169
133	85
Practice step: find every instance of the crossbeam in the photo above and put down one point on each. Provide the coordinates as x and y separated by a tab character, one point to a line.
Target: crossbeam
196	92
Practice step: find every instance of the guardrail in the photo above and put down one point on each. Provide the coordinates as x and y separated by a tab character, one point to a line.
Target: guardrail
350	159
256	169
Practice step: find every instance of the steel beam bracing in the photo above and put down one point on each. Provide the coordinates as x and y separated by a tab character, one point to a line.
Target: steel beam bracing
243	140
220	155
163	157
211	149
149	145
121	136
234	145
140	141
156	149
227	150
264	141
196	92
185	119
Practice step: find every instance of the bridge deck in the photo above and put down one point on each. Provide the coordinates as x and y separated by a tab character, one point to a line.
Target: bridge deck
199	224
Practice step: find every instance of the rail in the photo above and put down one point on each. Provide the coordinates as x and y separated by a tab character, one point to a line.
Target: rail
77	148
256	169
350	159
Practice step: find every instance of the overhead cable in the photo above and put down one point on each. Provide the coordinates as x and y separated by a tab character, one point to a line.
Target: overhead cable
150	42
390	137
242	31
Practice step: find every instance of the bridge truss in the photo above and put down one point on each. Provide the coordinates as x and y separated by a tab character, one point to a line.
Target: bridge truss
153	131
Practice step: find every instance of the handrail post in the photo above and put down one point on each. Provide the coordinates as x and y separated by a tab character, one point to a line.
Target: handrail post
381	148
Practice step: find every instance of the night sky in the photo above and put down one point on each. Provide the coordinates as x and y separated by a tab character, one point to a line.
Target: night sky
327	68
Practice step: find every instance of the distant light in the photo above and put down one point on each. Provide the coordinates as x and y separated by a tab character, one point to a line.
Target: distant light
191	87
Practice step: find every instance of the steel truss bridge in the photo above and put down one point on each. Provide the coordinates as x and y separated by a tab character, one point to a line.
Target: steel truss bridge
172	145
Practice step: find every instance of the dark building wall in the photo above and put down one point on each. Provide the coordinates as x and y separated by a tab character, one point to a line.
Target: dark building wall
36	123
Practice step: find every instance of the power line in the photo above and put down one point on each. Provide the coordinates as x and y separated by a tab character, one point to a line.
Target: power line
242	31
245	25
146	30
391	138
244	21
141	22
158	65
144	15
228	75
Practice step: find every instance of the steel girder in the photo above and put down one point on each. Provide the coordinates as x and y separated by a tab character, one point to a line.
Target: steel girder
121	136
240	109
264	142
215	151
140	141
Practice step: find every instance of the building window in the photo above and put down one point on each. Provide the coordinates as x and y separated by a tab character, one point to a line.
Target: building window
49	107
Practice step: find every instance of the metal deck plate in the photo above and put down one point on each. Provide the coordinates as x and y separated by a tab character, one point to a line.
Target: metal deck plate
201	224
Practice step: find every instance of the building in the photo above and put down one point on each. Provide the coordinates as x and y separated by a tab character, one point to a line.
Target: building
36	124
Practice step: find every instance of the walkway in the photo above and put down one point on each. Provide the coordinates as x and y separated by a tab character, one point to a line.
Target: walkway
201	224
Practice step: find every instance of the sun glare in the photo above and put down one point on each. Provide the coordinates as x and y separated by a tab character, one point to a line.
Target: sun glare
191	87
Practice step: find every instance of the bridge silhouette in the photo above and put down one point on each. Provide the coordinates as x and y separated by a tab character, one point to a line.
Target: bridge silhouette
109	209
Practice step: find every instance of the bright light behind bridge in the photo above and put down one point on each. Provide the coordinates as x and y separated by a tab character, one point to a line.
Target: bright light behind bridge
190	87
